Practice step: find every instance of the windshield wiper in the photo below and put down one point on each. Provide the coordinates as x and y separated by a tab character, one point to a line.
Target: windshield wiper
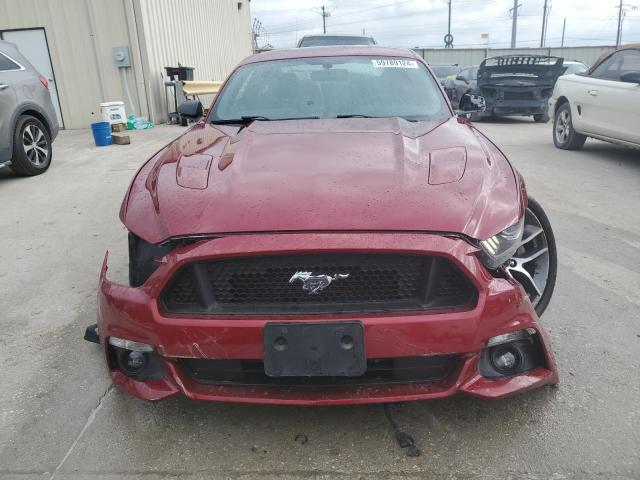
245	120
355	115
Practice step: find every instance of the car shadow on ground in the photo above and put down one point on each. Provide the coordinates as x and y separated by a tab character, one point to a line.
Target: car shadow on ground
611	153
506	120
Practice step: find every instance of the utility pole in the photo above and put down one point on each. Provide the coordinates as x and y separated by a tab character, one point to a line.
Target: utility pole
621	14
564	26
255	32
325	14
514	24
448	38
544	23
619	25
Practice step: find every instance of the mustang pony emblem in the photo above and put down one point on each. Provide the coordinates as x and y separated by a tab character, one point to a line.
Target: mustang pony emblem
314	284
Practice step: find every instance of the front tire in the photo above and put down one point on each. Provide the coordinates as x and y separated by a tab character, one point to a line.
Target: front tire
31	147
541	117
564	135
535	263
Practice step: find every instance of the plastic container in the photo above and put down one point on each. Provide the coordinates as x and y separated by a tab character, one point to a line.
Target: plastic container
113	112
101	133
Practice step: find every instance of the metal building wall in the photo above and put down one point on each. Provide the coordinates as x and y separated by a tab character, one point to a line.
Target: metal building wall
473	56
80	34
210	35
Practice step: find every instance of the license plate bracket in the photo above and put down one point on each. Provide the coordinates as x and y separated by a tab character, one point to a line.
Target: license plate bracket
306	349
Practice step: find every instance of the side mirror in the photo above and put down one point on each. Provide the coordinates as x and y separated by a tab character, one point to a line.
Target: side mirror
191	109
630	77
471	103
462	78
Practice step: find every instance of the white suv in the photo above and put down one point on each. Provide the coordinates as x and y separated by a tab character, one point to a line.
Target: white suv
603	102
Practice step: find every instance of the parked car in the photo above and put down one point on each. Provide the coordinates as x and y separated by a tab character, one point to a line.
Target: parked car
602	103
518	84
334	40
28	122
466	81
445	72
330	233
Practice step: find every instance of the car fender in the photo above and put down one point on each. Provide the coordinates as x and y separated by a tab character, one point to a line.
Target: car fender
29	106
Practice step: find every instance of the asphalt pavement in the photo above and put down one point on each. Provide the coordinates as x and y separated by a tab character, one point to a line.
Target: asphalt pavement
61	418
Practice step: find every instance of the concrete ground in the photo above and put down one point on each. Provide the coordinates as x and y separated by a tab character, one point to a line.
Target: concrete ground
60	417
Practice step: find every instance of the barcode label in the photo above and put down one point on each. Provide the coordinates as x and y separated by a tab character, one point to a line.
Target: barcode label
393	63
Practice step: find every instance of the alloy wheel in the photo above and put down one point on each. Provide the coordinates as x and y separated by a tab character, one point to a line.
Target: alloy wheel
35	144
563	126
530	264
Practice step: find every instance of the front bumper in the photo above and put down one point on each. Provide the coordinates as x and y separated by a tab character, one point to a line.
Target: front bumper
502	307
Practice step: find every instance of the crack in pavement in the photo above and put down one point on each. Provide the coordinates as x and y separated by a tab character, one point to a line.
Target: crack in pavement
90	420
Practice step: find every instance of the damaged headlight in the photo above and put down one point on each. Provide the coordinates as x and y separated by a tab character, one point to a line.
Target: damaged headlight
496	250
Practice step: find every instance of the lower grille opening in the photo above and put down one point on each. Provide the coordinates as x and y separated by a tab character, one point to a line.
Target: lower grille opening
379	372
358	283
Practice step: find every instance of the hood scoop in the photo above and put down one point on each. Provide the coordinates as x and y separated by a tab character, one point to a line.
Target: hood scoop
193	171
447	165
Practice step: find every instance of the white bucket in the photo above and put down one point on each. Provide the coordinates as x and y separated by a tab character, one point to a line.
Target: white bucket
113	112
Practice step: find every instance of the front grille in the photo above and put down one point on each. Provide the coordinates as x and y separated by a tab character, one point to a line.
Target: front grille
379	372
375	283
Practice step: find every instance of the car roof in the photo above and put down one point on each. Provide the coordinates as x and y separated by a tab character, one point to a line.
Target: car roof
333	51
321	35
608	53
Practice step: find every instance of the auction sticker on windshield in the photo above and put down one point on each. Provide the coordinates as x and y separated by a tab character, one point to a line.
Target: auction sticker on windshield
393	63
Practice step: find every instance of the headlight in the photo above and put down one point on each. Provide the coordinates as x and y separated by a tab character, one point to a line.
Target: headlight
496	250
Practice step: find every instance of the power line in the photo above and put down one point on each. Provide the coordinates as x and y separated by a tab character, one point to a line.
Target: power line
355	12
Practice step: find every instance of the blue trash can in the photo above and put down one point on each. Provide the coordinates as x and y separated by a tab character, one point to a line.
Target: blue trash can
101	133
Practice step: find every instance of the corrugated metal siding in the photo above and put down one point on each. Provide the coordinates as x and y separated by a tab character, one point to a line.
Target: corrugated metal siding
473	56
210	35
79	72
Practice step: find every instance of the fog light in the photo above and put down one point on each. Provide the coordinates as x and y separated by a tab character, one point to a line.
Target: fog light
505	360
136	361
130	345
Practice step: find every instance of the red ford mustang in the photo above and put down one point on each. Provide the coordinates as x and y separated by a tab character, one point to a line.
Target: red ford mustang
331	233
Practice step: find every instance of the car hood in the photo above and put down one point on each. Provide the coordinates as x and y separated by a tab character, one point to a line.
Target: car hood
355	174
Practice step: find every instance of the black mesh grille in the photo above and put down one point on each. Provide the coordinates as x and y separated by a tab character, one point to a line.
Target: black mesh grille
379	372
375	282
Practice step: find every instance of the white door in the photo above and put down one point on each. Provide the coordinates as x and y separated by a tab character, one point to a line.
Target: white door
611	97
33	45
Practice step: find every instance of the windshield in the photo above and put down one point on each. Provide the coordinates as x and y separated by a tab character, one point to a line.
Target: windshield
575	68
331	87
335	40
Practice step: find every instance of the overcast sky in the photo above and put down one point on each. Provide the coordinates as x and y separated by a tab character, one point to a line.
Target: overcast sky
409	23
